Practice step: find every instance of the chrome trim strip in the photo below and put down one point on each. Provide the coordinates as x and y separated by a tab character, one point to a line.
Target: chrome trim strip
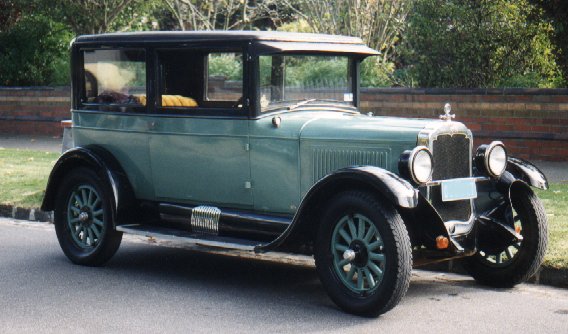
476	179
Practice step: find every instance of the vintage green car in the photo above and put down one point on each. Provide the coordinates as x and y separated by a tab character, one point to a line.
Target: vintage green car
254	141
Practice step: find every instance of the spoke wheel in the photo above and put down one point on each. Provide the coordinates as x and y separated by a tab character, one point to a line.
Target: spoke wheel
517	262
363	253
85	216
84	220
504	257
358	256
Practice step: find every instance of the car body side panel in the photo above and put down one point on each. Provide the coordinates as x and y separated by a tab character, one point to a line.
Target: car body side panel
125	136
201	160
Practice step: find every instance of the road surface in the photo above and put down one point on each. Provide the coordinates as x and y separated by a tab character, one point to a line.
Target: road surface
148	288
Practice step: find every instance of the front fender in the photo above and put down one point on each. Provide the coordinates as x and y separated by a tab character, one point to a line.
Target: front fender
304	224
527	172
104	164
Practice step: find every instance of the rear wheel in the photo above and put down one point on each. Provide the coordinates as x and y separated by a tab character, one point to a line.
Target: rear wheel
516	262
83	219
363	254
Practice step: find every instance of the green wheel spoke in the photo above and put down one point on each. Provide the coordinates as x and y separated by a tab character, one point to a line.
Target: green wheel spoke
78	200
84	197
370	279
90	235
352	228
95	231
341	248
375	245
77	231
98	213
98	222
90	198
361	228
350	274
377	257
343	263
345	236
359	279
370	233
75	210
96	203
74	221
375	269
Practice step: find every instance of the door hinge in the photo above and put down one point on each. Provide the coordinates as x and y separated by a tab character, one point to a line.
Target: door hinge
248	185
247	147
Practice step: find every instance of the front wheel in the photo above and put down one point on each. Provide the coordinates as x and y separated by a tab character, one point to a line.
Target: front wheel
363	254
514	263
84	220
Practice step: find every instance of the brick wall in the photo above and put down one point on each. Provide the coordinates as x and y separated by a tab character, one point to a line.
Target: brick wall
533	123
33	110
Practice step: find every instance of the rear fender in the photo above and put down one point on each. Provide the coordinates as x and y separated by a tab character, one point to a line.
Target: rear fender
106	166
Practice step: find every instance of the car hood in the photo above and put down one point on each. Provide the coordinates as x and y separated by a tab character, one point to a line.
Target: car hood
357	127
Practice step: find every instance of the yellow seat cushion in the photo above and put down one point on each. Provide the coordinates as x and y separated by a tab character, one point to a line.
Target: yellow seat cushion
178	101
171	101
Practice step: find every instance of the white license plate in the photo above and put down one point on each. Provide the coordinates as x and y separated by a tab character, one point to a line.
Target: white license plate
458	189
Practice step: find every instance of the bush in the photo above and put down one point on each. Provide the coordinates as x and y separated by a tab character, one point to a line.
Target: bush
482	43
34	52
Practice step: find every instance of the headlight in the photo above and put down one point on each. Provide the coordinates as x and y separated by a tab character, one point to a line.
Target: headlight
492	158
416	164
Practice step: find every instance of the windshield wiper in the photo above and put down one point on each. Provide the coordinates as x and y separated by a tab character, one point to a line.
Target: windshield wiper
301	103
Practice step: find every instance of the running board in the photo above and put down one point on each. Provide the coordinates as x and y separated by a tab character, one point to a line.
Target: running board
190	238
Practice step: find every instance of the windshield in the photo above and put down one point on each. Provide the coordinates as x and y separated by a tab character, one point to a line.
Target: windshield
286	79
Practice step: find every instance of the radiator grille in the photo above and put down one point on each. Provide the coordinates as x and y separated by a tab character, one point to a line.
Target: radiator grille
326	161
451	160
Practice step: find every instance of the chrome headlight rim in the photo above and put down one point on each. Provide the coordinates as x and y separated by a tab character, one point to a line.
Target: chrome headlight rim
483	157
407	164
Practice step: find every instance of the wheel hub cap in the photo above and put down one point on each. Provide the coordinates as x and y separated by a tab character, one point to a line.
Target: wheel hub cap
83	217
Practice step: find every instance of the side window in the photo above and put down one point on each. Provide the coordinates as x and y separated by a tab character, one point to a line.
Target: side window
194	80
114	78
225	77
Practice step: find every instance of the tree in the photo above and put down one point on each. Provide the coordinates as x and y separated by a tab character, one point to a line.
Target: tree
219	14
556	11
34	52
93	16
480	43
379	23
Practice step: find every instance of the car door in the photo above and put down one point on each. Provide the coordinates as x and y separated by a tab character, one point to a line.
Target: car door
200	136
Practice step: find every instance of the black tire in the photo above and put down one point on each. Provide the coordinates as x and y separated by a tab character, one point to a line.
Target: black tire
396	249
526	261
101	240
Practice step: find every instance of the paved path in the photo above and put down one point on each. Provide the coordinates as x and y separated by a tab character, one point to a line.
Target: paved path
150	289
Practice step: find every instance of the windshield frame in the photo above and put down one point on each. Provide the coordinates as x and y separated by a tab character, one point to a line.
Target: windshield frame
354	61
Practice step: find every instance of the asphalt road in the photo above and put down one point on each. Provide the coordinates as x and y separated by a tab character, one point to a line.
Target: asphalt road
151	289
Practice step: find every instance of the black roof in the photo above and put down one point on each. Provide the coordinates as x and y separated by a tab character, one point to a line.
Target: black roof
179	36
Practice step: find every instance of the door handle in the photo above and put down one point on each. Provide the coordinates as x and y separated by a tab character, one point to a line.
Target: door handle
152	125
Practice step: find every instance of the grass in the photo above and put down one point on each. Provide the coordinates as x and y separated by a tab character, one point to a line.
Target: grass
555	202
24	173
23	176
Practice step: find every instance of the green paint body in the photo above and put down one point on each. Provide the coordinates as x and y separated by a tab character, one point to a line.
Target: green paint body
239	162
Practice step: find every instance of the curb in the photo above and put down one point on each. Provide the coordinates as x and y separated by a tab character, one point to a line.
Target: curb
31	214
545	275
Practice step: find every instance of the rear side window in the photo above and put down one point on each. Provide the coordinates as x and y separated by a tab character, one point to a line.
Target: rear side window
114	78
224	76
